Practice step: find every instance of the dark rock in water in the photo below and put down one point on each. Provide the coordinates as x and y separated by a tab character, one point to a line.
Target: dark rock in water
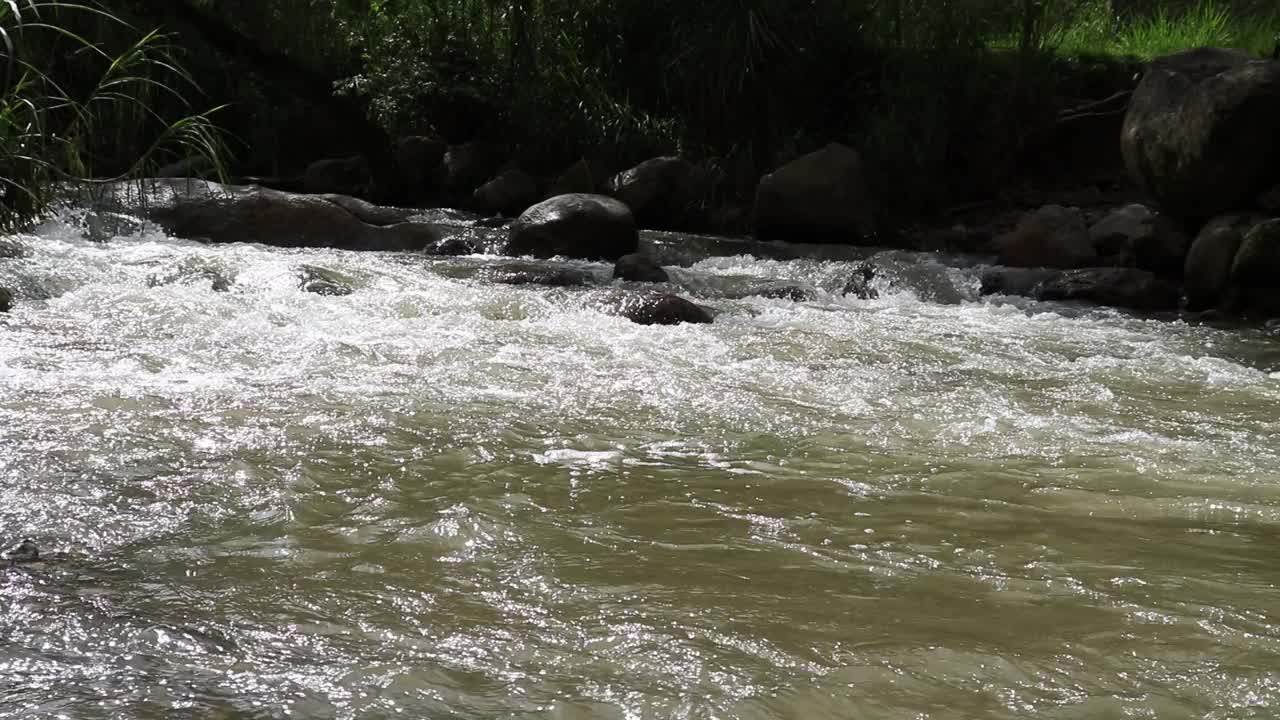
341	176
658	191
418	162
320	281
552	277
794	293
456	245
859	285
1257	262
191	271
1207	268
1053	236
576	179
507	194
661	310
13	249
820	197
638	267
1200	134
22	552
1135	236
216	213
6	300
592	227
1013	281
1115	287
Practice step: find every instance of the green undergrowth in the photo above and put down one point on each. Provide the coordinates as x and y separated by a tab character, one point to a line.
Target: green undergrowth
1096	31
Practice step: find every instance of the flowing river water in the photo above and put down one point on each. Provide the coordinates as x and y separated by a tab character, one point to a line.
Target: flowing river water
443	497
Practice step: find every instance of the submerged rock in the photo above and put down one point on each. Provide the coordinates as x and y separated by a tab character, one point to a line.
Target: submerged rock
6	300
592	227
820	197
1200	134
21	552
859	284
551	277
637	267
13	248
794	293
202	210
320	281
1013	281
661	310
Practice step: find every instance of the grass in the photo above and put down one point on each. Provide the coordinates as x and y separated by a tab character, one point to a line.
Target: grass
1094	31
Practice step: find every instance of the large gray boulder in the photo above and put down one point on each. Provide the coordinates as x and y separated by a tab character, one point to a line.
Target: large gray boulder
1115	287
1053	236
658	191
1200	136
1207	270
1135	236
820	197
593	227
211	212
1257	262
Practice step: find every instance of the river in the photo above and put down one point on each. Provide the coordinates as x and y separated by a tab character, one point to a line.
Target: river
443	497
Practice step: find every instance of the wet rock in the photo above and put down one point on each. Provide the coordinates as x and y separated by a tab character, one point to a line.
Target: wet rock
592	227
1207	269
1013	281
1135	236
661	310
820	197
1200	133
658	191
859	285
12	249
551	277
191	271
456	245
1053	236
1114	287
22	552
637	267
6	299
198	209
1257	262
341	176
321	281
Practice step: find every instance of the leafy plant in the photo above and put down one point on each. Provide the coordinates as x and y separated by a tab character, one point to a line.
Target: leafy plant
64	93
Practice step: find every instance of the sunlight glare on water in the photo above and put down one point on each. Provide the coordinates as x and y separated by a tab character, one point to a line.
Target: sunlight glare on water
443	497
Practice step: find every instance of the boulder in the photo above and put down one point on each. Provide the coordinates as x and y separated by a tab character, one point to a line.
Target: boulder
1115	287
658	191
1135	236
577	178
1257	262
342	176
794	293
1200	134
638	267
418	161
819	197
1053	236
456	245
1207	270
6	300
191	167
507	194
593	227
661	310
208	211
467	166
1013	281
